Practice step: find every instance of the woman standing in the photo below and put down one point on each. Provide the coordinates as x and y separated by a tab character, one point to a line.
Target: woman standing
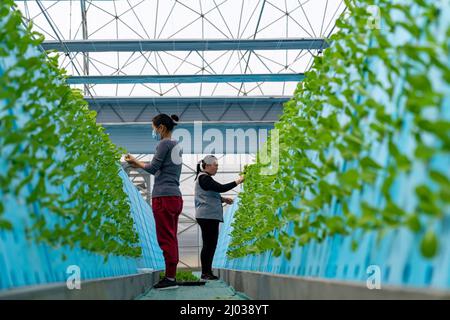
167	202
208	209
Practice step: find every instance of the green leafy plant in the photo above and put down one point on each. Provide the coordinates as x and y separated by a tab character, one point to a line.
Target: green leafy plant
365	93
49	139
182	276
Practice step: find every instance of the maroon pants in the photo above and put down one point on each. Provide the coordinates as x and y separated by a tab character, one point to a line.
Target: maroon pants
166	211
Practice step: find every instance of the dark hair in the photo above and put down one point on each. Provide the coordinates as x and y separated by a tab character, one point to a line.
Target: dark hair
166	121
202	164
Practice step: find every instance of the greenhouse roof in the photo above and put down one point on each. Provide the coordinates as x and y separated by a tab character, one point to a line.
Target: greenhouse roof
263	47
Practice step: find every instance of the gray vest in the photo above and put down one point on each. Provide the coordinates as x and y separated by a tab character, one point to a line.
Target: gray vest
208	204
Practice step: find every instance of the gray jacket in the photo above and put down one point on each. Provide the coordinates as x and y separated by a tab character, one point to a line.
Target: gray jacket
167	172
208	204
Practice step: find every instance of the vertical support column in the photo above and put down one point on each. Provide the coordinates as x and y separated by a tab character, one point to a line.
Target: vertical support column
148	189
85	37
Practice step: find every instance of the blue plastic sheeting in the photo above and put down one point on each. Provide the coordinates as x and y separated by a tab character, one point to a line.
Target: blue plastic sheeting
397	253
185	45
397	256
24	263
187	78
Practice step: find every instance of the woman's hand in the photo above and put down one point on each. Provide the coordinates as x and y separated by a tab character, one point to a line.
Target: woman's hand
240	179
133	161
228	200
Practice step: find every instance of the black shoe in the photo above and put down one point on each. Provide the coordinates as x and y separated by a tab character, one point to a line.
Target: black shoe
209	276
166	284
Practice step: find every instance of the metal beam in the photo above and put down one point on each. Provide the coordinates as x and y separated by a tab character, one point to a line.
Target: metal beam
186	78
231	112
218	101
85	37
188	45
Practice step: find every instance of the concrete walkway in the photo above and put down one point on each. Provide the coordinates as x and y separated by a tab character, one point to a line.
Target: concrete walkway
212	290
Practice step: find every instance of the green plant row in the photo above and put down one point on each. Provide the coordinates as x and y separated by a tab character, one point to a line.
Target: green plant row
345	107
48	139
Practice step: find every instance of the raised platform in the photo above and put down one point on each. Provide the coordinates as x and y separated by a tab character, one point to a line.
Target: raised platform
268	286
114	288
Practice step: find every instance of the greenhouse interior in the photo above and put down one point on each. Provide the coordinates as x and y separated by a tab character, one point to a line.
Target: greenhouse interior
225	149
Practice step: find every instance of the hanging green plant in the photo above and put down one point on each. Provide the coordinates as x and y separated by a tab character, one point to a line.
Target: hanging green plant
49	138
366	91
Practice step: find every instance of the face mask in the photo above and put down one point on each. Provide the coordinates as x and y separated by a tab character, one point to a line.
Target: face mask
156	135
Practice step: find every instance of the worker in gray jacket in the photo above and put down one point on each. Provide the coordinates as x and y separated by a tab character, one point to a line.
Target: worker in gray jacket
208	209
